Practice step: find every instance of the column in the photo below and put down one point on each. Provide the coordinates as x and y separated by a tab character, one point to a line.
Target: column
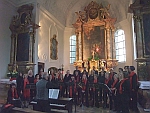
139	36
108	43
15	48
105	43
82	36
113	44
31	46
80	46
12	48
77	46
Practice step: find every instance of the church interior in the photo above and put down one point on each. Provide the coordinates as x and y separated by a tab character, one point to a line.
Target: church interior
63	34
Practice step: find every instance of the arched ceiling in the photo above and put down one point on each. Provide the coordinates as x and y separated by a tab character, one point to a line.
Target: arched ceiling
64	10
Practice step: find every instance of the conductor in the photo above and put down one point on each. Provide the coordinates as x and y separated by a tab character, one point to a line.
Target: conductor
42	94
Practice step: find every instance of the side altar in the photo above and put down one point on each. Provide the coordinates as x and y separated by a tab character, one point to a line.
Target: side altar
94	29
22	40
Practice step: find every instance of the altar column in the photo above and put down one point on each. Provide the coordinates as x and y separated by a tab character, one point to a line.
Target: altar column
77	46
80	47
137	20
31	45
13	36
113	44
108	43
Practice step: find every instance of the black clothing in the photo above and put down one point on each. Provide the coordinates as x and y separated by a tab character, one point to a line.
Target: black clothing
90	81
52	85
19	87
43	105
79	72
66	81
95	72
133	91
122	95
17	102
67	78
106	93
31	81
83	73
101	79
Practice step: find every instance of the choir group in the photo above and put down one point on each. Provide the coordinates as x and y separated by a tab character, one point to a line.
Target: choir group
107	89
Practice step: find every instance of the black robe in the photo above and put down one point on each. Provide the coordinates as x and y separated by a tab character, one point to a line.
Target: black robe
19	82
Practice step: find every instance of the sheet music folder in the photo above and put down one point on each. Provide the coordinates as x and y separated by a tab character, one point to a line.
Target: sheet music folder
53	93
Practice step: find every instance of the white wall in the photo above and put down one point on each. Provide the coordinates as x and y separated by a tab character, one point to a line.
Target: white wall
67	33
49	27
7	11
126	25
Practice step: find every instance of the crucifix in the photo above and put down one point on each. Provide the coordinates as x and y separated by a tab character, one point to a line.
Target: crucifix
93	53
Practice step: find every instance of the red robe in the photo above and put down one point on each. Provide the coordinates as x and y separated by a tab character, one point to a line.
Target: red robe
134	81
114	84
84	81
26	92
35	81
71	90
120	87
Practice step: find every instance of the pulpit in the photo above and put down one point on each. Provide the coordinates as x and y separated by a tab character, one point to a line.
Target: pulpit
22	40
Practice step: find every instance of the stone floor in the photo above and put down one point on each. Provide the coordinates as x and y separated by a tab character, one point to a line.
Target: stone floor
81	110
84	109
95	110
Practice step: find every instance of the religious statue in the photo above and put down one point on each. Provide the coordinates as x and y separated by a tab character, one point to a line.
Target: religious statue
54	44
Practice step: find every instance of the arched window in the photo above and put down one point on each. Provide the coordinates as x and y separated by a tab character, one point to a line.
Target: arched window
120	46
72	49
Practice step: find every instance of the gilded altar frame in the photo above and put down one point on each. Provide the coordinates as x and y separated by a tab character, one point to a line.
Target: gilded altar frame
95	14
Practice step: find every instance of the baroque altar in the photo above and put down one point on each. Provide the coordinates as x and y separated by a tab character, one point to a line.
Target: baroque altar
22	40
94	29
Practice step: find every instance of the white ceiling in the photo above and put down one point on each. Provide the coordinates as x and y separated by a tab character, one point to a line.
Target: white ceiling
64	10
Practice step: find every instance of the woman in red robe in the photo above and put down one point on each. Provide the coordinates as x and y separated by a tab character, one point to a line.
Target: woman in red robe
72	87
84	91
26	91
